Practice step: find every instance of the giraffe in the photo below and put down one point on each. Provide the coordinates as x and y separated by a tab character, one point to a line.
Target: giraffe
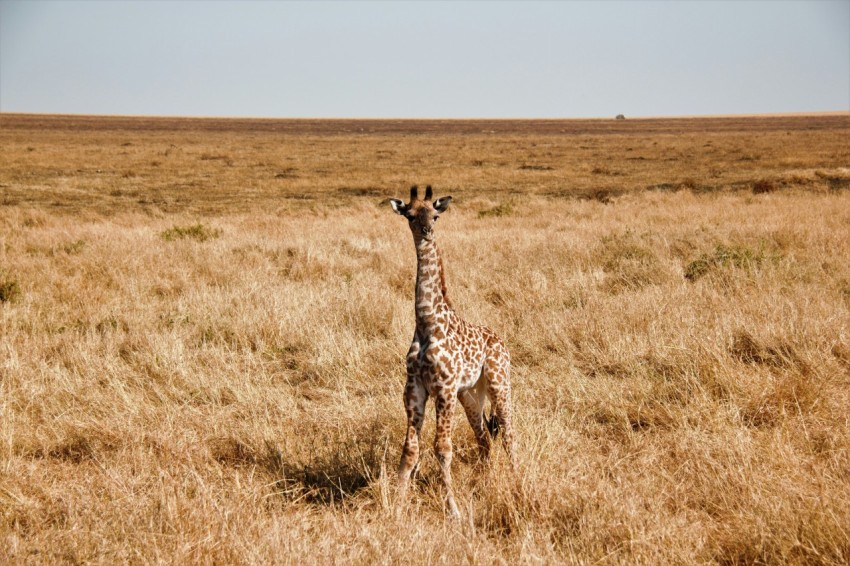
449	359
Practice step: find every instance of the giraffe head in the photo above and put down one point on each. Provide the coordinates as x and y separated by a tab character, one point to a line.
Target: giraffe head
421	214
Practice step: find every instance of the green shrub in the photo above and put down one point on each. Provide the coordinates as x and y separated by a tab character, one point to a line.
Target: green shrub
196	232
739	257
73	248
504	209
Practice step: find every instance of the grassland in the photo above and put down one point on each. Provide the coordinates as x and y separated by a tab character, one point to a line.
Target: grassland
203	324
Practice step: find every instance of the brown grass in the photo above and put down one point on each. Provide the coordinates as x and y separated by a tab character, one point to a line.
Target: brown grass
202	356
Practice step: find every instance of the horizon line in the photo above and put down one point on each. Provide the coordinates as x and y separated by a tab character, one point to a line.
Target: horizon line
814	113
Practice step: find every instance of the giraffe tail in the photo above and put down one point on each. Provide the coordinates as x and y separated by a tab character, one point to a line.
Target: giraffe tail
492	425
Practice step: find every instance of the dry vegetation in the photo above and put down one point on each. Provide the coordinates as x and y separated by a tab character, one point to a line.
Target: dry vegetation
202	327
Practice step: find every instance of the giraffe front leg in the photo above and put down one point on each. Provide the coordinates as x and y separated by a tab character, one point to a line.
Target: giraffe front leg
415	399
445	404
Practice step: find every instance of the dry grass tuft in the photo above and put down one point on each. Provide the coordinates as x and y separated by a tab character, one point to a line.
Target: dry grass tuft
202	361
9	289
764	186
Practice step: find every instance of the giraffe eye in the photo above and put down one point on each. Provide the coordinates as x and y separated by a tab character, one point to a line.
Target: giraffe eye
436	217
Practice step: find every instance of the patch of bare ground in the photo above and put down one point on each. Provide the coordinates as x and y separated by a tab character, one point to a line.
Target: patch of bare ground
202	360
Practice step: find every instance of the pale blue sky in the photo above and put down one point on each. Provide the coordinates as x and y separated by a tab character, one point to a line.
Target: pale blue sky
424	59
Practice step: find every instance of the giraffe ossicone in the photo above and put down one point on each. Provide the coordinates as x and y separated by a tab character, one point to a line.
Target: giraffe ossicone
449	359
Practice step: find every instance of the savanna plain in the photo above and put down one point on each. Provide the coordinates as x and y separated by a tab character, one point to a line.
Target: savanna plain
203	324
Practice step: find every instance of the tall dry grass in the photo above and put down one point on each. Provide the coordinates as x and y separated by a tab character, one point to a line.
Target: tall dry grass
203	362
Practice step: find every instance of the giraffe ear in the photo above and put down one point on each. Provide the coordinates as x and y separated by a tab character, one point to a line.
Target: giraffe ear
398	206
442	203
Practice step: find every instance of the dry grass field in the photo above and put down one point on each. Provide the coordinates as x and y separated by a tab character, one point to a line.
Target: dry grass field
203	325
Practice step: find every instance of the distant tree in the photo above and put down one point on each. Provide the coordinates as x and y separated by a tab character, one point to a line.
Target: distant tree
620	117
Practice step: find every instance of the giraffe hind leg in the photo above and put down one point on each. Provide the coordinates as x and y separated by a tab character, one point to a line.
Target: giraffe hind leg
473	404
499	390
493	425
502	422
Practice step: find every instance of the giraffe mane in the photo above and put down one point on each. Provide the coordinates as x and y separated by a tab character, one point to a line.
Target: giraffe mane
443	287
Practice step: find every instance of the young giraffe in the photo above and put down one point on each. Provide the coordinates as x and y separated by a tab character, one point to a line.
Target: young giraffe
449	358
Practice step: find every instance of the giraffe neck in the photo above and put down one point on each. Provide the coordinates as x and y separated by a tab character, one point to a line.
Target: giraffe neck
432	303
